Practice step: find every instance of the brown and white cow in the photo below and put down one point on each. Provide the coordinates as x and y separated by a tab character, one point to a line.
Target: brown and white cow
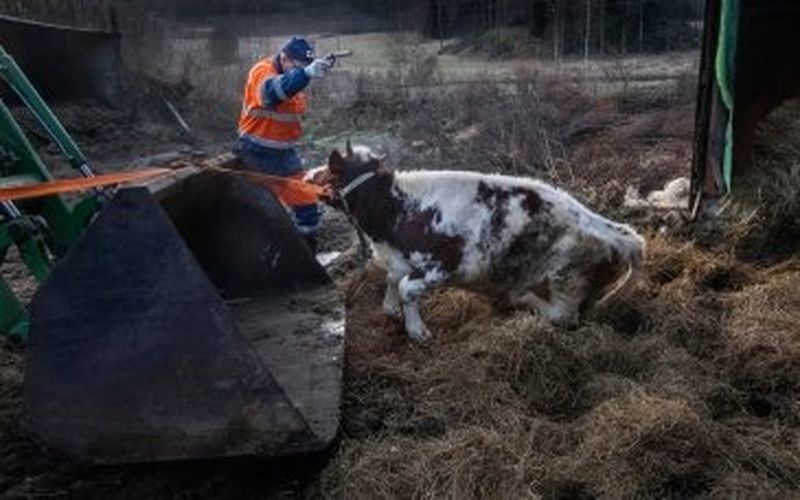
519	239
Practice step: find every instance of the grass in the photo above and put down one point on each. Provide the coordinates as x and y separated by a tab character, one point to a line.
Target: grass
400	53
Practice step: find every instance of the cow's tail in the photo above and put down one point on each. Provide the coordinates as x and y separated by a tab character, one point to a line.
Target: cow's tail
634	252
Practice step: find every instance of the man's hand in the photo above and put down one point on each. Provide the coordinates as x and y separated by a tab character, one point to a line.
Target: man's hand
318	68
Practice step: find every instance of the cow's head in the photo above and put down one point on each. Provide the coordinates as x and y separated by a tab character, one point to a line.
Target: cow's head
357	163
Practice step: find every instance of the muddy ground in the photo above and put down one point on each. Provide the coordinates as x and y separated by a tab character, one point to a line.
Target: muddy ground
686	386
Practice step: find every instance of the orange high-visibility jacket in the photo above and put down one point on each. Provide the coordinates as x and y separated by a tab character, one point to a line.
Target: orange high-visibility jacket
276	126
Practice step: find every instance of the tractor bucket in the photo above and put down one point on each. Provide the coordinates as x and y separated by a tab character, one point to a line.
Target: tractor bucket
190	324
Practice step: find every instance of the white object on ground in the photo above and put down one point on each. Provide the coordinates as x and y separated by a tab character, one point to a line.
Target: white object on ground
674	195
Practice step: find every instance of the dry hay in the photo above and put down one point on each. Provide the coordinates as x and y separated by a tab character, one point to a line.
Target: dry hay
762	222
684	386
764	340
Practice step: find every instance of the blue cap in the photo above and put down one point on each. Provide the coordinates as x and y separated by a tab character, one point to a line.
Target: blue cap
298	49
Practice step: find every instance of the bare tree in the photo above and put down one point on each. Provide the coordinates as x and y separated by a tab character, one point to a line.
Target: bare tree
557	32
626	4
602	27
587	34
440	22
641	25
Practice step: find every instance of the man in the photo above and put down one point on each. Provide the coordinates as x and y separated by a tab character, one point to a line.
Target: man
269	125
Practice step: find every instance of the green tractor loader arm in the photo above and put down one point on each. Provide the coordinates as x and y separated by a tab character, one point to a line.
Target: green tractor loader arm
42	229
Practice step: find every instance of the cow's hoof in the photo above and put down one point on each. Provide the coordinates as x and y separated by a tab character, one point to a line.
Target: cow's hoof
566	324
393	311
419	337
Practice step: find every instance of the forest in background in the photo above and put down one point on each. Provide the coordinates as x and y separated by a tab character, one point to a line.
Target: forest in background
554	28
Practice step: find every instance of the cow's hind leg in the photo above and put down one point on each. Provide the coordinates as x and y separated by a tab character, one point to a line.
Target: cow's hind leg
555	309
552	296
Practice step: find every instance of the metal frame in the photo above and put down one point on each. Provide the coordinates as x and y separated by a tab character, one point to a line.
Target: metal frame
766	73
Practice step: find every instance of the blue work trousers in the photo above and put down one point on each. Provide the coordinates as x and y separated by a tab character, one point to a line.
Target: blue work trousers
284	163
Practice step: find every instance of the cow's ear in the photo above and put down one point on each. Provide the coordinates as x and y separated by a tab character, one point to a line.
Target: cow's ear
336	163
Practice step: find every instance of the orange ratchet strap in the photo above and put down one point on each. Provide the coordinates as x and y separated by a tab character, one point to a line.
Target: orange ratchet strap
60	186
292	191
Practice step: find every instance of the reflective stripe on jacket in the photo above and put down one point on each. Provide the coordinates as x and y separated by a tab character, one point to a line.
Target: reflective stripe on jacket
275	126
